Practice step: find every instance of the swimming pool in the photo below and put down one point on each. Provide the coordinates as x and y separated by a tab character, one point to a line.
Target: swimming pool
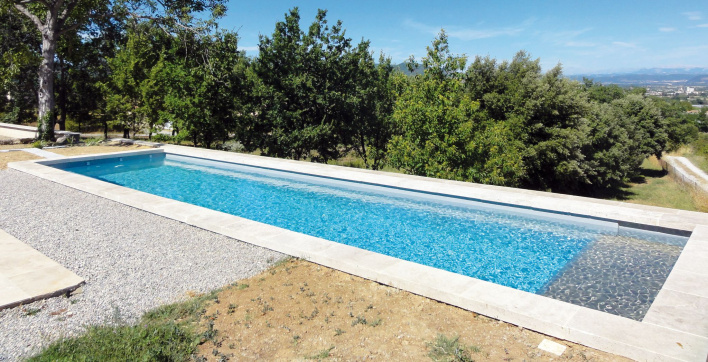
674	328
584	261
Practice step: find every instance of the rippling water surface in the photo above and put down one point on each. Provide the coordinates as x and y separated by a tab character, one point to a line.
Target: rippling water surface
564	258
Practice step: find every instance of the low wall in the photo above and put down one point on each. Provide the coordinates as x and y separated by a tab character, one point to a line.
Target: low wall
677	168
28	132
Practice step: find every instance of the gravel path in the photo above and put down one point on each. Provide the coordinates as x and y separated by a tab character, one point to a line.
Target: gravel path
132	260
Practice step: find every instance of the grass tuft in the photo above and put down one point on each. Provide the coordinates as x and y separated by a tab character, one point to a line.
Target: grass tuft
325	353
449	350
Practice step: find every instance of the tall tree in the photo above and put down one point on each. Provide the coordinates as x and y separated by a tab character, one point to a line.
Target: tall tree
306	88
55	18
19	49
440	131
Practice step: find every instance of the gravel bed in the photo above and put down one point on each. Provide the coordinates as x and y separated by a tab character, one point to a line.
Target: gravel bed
132	260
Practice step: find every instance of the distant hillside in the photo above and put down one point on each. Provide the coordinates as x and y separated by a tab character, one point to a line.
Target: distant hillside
653	76
641	77
404	68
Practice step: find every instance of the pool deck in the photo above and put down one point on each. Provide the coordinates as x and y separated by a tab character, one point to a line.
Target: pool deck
674	329
27	275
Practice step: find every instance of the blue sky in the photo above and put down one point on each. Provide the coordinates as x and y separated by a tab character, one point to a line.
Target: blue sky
584	36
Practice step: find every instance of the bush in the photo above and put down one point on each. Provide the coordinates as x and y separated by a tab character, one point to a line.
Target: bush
232	146
161	137
700	145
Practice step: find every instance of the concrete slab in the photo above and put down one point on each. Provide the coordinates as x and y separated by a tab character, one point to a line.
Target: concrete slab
674	329
42	153
27	275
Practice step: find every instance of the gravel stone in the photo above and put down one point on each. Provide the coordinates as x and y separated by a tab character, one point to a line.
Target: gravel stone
132	260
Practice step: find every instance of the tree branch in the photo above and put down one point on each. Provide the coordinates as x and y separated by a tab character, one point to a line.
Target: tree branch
66	30
32	17
65	13
24	2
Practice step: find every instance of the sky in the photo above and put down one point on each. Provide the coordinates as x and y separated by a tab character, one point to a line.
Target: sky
585	37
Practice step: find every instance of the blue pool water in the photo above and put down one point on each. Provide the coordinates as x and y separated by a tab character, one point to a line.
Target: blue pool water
514	247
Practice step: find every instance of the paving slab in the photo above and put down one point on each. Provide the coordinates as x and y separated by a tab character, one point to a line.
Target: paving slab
26	275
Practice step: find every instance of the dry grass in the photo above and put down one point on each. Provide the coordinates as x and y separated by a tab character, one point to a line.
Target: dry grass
15	156
303	310
15	146
89	150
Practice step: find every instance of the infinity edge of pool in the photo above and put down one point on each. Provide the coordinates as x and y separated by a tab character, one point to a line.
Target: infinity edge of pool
674	328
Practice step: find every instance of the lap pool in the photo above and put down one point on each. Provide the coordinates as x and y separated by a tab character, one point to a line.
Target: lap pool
591	262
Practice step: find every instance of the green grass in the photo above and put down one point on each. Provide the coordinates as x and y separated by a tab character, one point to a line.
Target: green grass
656	188
143	342
166	333
450	349
698	160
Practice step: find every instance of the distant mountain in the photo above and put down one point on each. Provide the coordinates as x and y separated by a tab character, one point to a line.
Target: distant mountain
667	71
652	76
404	68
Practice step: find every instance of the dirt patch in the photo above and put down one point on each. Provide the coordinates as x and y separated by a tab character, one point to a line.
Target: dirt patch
300	310
88	150
15	156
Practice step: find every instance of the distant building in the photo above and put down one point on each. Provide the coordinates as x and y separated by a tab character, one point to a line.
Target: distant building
690	90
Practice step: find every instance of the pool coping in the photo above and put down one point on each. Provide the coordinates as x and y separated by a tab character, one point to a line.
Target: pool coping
675	327
26	275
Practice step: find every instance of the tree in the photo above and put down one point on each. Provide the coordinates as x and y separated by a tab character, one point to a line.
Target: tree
208	91
545	113
18	57
306	88
55	18
127	100
376	92
440	131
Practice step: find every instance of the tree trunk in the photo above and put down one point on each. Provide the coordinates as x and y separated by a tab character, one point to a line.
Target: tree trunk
47	116
62	95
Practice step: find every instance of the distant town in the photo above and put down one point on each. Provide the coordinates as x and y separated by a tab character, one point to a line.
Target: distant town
685	84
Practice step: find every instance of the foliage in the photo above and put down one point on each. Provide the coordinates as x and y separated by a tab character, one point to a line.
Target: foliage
18	63
313	89
544	112
57	20
311	93
442	134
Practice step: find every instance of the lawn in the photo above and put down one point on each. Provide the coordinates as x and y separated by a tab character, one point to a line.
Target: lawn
656	188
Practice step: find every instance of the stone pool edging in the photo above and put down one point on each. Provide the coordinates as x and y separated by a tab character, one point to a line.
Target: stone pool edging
675	328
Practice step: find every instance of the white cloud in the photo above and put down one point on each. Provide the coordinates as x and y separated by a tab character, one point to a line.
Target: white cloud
579	44
470	33
667	30
622	44
702	25
566	38
693	15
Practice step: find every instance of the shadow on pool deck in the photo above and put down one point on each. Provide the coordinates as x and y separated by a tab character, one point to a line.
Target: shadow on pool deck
26	275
